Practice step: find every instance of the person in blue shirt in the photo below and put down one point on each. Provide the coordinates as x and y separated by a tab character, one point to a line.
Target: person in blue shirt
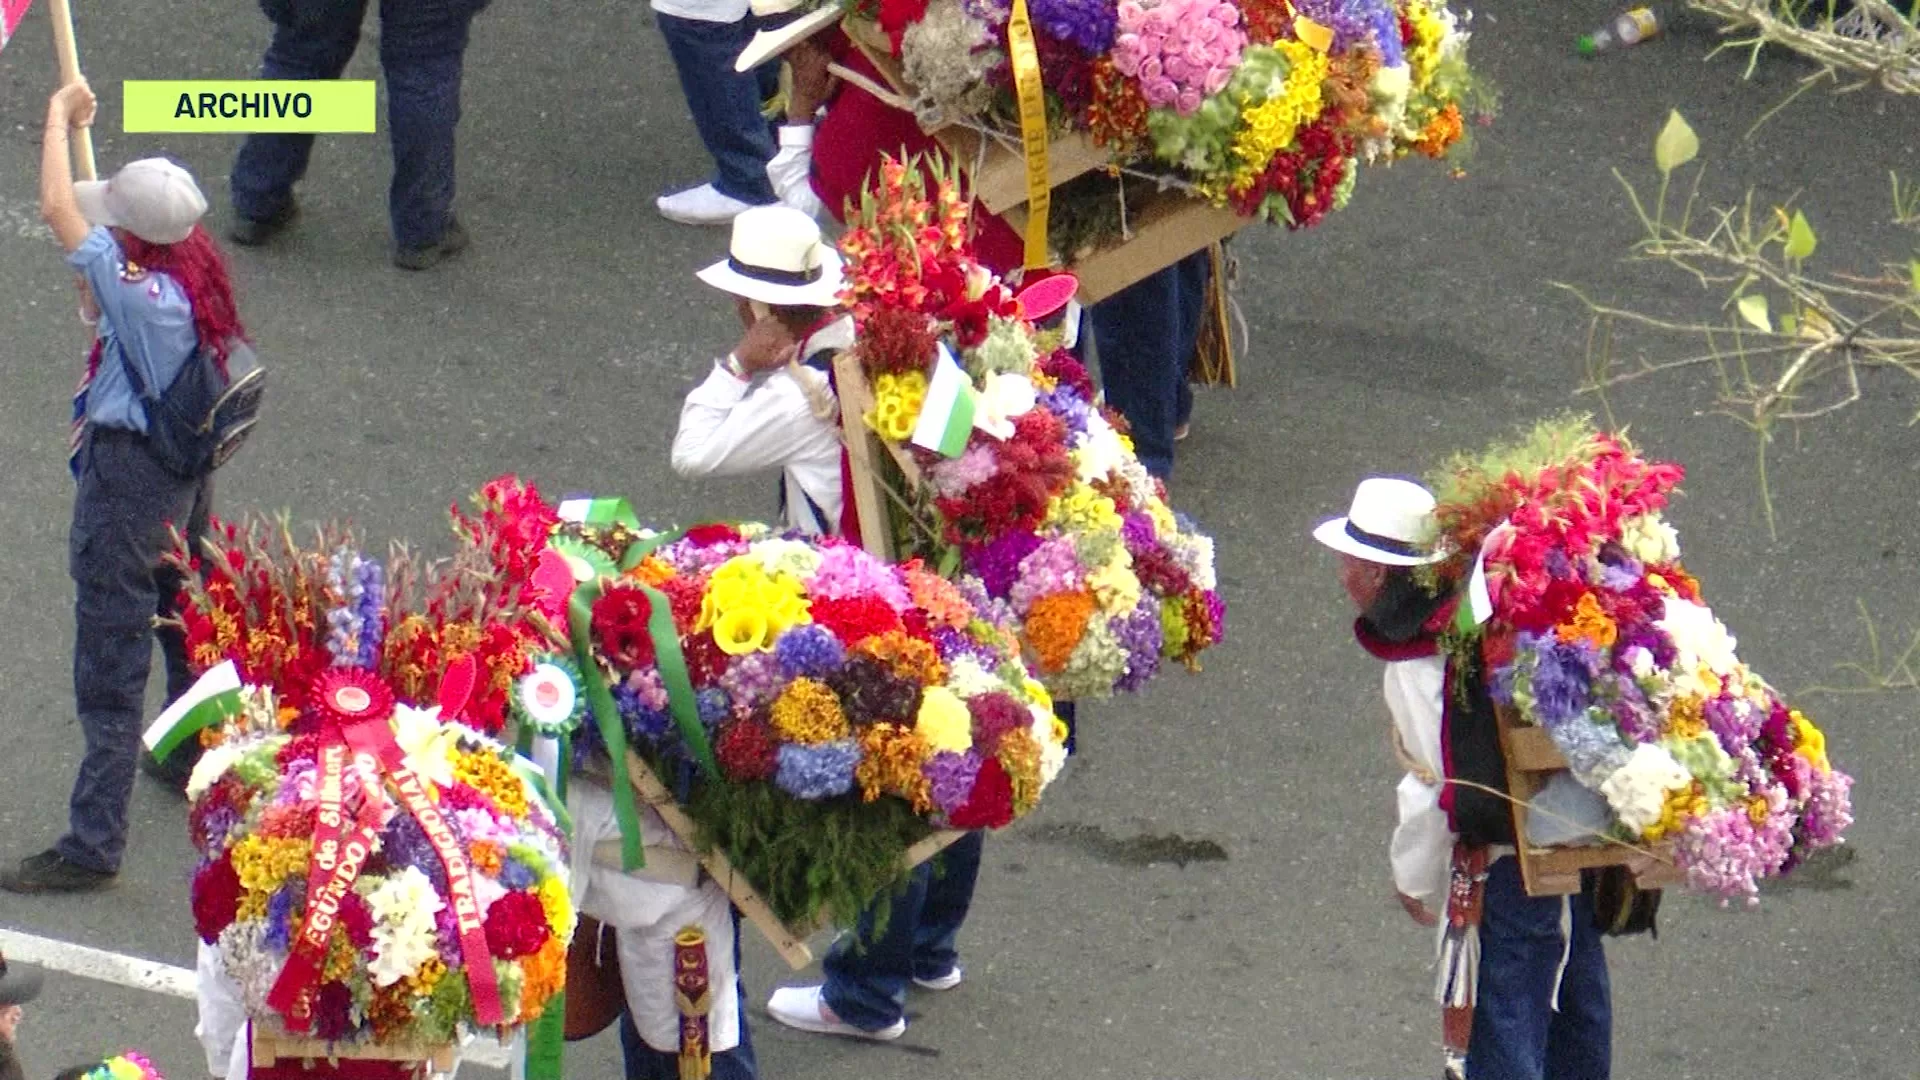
156	289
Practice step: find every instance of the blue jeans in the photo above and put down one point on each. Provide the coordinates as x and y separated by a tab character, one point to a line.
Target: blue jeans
724	103
1145	335
643	1062
868	988
122	506
1517	1034
422	44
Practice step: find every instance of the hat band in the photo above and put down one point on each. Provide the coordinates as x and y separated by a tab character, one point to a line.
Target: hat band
1385	543
773	276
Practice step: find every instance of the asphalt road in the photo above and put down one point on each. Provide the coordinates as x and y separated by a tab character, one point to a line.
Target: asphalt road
1419	321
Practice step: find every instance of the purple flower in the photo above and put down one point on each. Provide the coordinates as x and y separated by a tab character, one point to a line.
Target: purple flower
1086	24
997	564
644	725
755	679
1358	22
1643	636
447	936
214	828
1139	633
515	874
1052	567
951	777
405	844
1828	810
1136	529
955	476
952	645
372	581
280	915
1631	710
1561	684
810	652
1735	724
713	706
1067	404
817	772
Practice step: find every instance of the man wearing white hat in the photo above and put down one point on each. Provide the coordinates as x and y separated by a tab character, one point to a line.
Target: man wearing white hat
1522	980
770	403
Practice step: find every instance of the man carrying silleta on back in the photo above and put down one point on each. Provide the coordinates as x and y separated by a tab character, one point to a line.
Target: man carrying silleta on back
1536	1005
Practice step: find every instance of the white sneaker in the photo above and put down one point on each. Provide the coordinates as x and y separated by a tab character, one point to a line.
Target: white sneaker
942	982
803	1008
704	205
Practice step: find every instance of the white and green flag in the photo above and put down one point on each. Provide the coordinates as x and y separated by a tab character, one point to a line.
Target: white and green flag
946	417
212	701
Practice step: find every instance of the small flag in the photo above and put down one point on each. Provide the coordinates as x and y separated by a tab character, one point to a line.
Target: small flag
599	512
946	417
1479	600
11	12
212	701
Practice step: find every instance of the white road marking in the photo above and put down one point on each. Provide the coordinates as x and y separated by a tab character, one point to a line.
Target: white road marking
150	975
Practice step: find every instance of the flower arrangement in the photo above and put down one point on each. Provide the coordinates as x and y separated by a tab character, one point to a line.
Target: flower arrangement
1045	503
1265	106
131	1065
816	710
1599	636
374	869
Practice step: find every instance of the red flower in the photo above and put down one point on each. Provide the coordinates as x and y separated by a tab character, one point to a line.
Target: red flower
216	898
333	1012
356	920
747	751
895	341
896	15
516	926
706	661
1067	369
707	535
990	805
1033	468
685	596
994	715
620	625
854	619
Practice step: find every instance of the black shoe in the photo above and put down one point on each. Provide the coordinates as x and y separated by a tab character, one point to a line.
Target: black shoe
174	772
251	233
452	242
48	872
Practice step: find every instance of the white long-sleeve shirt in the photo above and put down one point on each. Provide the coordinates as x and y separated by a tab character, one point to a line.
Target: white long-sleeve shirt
1422	849
790	171
733	427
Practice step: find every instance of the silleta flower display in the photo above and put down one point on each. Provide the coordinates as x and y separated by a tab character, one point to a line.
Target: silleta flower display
1032	488
374	867
816	710
1599	636
1265	106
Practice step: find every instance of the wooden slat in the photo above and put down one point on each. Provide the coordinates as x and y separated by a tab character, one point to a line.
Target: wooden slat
1531	749
1165	227
869	498
270	1047
997	173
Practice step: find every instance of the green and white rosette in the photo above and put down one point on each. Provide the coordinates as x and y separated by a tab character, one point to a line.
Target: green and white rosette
550	700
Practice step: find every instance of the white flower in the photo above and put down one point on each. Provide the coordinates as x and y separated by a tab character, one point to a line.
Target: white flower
966	678
1389	88
428	743
1700	639
1640	660
788	556
1650	539
213	765
1100	452
1637	791
1002	398
1053	752
404	930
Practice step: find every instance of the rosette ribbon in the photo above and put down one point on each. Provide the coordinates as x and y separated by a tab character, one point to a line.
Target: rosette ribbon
344	839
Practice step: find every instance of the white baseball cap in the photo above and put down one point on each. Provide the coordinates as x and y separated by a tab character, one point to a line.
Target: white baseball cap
152	198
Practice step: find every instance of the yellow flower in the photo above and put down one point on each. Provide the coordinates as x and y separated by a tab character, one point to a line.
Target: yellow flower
1589	624
808	712
1082	509
1272	124
559	906
742	631
944	721
1114	584
896	404
1757	810
1810	741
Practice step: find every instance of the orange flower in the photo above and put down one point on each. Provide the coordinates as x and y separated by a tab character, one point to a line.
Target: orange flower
1020	756
652	571
1441	132
544	974
890	759
938	598
1055	624
486	857
1590	624
907	656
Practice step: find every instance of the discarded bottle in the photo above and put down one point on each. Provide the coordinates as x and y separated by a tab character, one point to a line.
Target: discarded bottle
1627	28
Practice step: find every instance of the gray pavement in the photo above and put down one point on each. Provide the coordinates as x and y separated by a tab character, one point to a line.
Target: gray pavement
1418	321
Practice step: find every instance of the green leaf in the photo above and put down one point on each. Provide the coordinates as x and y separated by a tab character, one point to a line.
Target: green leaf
1676	145
1800	239
1789	325
1914	269
1753	308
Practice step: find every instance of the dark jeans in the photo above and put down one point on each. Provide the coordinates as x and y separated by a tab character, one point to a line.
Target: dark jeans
1517	1034
868	988
1145	336
643	1062
122	508
725	103
422	43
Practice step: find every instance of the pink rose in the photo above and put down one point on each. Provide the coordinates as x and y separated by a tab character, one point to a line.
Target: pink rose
1151	70
1225	15
1152	44
1199	55
1204	30
1189	101
1159	92
1217	79
1131	13
1177	67
1158	23
1126	55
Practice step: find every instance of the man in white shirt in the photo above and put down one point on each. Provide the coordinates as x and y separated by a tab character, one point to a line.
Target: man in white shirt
704	37
770	403
1523	979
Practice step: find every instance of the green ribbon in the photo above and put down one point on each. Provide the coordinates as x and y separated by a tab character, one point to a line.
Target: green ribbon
669	659
530	772
547	1041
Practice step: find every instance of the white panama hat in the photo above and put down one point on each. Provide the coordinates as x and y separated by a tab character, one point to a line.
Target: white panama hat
769	43
1390	522
777	257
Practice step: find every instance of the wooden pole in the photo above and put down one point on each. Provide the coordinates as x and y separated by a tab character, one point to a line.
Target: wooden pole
69	54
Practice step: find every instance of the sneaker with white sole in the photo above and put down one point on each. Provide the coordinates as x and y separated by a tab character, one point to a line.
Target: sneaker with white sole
946	981
704	205
804	1009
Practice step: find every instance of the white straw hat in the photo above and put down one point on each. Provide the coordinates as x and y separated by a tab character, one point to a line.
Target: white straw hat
777	257
769	43
1390	522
